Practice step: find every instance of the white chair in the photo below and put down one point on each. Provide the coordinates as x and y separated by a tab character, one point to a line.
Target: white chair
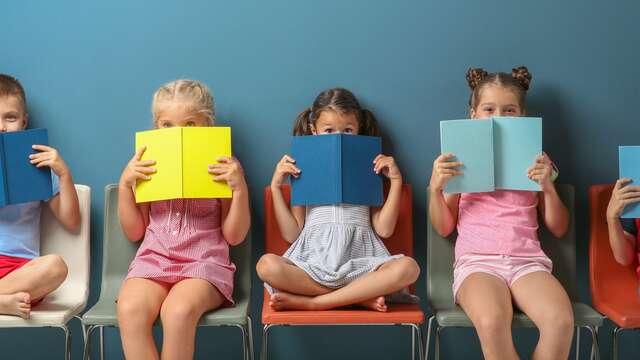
71	297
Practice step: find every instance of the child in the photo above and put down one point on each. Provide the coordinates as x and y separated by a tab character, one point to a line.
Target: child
336	257
25	276
182	268
499	263
623	233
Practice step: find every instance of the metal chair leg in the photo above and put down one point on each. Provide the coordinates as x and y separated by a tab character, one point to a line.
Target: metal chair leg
418	331
67	341
250	330
437	349
413	343
577	342
87	342
265	342
428	342
616	332
101	342
595	348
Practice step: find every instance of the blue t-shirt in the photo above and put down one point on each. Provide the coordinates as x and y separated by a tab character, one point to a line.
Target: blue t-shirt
20	227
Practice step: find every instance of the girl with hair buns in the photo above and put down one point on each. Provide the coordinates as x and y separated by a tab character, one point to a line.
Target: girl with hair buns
499	263
336	256
182	268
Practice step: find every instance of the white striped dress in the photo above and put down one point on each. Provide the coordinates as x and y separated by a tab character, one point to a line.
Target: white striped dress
184	240
338	245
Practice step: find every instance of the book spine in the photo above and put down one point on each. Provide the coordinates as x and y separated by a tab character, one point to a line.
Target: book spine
339	172
4	199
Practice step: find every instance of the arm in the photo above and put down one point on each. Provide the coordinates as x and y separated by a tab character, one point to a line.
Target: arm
384	218
63	205
623	244
443	208
552	210
290	221
134	218
236	215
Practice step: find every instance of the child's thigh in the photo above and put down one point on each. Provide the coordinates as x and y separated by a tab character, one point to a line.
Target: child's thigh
192	297
34	274
541	296
141	297
483	295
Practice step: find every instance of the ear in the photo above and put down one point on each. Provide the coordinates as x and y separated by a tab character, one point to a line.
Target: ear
472	113
26	121
313	129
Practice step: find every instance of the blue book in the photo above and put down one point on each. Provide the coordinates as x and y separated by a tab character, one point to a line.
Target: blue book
496	152
21	181
471	141
517	144
629	167
336	169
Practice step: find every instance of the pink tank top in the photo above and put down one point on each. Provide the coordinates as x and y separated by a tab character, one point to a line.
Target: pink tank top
502	222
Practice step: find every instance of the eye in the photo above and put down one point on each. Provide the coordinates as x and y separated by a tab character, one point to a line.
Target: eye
348	130
510	110
190	124
166	124
328	130
12	118
488	109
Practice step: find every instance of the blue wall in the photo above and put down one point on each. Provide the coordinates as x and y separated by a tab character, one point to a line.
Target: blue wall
90	69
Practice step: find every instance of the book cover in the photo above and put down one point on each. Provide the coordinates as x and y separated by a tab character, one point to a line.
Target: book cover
517	144
629	167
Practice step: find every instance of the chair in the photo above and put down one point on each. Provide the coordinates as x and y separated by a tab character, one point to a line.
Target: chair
440	256
67	301
118	252
614	287
401	242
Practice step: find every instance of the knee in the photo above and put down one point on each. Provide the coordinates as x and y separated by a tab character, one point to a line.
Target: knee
133	312
56	268
491	323
179	313
268	267
557	323
407	271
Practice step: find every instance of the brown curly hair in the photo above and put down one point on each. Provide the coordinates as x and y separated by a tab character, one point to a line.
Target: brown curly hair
518	81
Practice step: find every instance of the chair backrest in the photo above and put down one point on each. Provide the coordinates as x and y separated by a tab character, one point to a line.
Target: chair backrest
608	278
73	246
118	252
440	256
401	242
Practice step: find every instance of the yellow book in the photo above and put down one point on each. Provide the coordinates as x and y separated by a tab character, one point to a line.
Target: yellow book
182	156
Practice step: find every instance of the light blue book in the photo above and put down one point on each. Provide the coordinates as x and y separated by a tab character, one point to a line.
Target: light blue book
471	141
496	152
517	144
629	167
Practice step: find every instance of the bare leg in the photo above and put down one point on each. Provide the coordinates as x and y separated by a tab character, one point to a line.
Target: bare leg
487	301
544	300
180	313
388	278
138	307
38	277
282	274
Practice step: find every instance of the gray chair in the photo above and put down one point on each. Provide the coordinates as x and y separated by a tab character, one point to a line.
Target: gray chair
117	255
440	257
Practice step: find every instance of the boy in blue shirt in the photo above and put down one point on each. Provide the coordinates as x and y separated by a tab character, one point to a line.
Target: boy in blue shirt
25	276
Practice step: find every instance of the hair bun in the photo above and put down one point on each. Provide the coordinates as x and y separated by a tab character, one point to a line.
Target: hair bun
522	75
475	76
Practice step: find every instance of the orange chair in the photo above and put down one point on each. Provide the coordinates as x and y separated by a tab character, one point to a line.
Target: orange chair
614	287
401	242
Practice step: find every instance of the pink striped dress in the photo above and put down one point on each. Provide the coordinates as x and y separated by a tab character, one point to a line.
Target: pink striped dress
184	240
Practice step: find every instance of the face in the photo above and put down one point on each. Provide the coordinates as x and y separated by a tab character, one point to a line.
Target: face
333	122
181	114
12	114
496	100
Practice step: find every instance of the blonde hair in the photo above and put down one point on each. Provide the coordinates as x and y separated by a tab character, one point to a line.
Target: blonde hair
194	92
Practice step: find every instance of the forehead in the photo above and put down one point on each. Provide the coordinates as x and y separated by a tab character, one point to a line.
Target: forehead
330	117
177	110
499	95
10	103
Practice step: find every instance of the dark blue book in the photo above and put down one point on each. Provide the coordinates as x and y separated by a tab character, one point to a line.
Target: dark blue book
336	169
22	181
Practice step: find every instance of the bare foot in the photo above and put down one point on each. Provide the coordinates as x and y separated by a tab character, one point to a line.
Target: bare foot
286	301
16	304
377	304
